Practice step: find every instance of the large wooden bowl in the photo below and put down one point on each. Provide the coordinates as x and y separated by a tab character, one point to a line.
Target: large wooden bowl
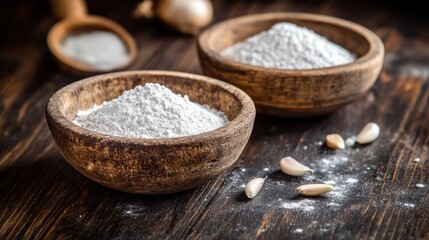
294	92
144	165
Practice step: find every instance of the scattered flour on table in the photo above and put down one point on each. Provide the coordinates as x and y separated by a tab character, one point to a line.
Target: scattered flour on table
101	49
305	205
150	111
350	141
409	205
351	180
326	171
331	182
288	46
131	209
338	168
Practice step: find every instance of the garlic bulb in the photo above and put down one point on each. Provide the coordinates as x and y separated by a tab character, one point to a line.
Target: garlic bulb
187	16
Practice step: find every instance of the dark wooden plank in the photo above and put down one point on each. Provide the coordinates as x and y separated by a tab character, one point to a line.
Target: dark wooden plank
41	196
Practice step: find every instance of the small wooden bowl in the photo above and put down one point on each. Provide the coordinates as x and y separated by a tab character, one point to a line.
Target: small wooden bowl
150	166
75	25
294	92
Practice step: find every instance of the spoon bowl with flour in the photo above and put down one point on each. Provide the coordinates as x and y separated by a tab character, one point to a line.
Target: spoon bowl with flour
85	43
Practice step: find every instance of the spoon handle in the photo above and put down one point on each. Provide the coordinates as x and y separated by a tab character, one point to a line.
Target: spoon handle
69	8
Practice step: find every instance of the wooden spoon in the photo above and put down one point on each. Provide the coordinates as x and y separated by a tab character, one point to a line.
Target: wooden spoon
75	21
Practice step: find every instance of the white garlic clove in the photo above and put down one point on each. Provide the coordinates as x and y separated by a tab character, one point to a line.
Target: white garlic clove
312	190
368	134
292	167
335	141
254	187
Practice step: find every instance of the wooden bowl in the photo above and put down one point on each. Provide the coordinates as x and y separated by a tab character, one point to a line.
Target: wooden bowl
150	166
76	25
294	92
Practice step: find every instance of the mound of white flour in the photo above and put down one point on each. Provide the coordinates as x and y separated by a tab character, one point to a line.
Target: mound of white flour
288	46
101	49
151	111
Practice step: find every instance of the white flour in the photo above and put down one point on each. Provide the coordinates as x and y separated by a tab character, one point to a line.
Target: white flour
101	49
306	205
151	111
350	141
288	46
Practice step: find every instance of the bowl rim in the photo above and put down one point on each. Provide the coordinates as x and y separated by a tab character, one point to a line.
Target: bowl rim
246	115
97	23
376	46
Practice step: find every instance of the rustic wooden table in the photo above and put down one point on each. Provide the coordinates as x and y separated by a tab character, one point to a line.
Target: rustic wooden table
378	194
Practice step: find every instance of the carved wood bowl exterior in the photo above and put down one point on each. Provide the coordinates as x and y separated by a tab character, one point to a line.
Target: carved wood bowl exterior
294	92
150	166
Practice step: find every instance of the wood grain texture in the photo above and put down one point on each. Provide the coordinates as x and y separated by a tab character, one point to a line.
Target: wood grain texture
41	196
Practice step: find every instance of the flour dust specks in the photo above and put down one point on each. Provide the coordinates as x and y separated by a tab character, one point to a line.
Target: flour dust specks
305	205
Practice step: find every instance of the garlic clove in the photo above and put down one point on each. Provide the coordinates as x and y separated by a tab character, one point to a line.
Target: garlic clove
254	187
368	134
312	190
335	141
292	167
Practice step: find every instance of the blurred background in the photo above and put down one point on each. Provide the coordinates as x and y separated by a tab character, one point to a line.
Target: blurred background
26	23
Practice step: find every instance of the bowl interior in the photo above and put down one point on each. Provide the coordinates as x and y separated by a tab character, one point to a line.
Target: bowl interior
84	94
237	30
72	26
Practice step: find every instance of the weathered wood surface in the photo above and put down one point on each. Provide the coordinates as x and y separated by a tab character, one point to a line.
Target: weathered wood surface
41	196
